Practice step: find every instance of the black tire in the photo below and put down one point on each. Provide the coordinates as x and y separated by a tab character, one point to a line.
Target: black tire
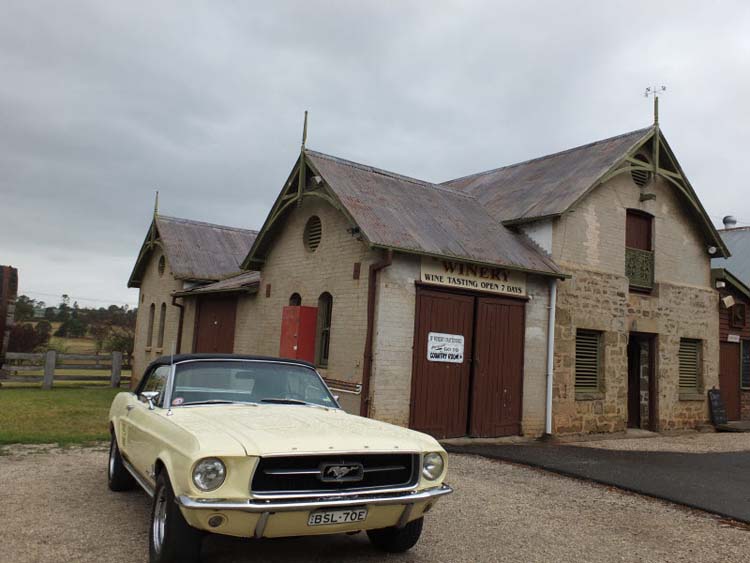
397	540
118	478
178	542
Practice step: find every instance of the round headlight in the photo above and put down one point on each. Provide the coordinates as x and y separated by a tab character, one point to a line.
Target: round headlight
209	474
432	466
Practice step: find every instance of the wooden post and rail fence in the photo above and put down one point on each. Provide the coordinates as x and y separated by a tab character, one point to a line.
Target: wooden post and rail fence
18	364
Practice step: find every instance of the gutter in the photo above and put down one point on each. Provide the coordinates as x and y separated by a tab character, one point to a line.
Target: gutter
364	408
181	307
550	356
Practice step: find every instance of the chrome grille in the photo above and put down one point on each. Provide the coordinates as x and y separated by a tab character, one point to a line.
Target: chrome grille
326	473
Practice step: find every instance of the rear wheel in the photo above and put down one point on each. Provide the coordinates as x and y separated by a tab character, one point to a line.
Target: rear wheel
397	540
171	538
118	478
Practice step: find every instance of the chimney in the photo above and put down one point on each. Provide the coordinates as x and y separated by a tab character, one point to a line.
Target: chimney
729	222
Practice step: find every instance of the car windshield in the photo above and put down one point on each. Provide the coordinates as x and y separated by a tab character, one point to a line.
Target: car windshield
208	382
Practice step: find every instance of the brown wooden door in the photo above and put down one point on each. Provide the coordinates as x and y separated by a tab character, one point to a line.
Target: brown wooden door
729	378
440	389
497	381
214	328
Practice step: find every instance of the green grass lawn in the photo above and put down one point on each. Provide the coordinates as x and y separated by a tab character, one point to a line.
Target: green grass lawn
62	415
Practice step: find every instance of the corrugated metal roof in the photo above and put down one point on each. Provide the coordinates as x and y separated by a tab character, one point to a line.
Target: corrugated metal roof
246	281
549	185
196	250
203	251
738	241
411	215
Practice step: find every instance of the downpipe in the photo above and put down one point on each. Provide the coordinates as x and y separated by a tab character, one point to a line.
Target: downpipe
550	356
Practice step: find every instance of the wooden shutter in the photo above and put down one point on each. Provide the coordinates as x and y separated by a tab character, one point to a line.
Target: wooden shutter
638	230
588	356
689	364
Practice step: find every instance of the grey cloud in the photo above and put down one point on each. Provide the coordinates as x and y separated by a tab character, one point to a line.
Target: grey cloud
102	103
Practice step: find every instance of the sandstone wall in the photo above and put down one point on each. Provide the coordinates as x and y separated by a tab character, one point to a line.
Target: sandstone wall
599	301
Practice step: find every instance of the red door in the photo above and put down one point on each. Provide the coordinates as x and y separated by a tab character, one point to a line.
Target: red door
497	381
729	378
440	386
214	327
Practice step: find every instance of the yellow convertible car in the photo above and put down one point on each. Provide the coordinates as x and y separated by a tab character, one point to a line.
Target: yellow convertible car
259	447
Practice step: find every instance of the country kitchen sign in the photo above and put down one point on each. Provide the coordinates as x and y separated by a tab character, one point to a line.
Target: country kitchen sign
460	275
443	347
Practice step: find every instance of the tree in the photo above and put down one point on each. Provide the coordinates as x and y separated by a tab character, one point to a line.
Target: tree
49	313
24	308
100	333
25	338
121	339
44	329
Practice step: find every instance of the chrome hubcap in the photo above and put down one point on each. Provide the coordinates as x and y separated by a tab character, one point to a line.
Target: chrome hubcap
159	520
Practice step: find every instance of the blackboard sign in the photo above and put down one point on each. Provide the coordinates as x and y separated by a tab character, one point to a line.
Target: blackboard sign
718	408
746	363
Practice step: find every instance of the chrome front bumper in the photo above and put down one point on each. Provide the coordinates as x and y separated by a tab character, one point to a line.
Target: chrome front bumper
288	505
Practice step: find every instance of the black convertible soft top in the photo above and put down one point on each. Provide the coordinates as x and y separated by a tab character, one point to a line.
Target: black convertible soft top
167	360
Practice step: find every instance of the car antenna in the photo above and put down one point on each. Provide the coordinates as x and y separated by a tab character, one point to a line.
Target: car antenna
171	363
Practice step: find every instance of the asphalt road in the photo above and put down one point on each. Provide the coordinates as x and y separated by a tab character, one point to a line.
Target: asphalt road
55	507
716	482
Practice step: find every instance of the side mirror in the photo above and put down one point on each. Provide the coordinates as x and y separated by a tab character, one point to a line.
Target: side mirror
150	396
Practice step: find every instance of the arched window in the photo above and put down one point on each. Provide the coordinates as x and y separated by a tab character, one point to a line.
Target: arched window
162	319
295	300
325	309
151	315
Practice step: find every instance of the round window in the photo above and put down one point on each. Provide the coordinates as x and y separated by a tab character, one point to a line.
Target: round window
162	265
313	233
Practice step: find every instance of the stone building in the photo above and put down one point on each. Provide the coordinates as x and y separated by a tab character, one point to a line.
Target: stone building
430	305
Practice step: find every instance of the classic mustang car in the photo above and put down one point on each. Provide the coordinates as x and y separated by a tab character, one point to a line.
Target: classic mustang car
259	447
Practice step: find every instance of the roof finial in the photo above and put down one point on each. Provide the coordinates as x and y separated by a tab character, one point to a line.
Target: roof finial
655	91
156	204
304	132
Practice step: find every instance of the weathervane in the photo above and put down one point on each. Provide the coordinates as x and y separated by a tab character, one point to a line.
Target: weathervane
655	91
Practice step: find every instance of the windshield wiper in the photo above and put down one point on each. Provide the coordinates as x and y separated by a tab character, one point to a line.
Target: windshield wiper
280	401
215	402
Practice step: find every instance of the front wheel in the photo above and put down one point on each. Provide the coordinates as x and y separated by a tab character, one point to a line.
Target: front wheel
171	538
397	540
118	478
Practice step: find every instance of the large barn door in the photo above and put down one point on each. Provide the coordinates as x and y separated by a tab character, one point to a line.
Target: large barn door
442	360
729	378
497	382
214	330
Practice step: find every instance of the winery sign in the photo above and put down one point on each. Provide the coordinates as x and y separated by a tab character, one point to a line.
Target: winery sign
460	275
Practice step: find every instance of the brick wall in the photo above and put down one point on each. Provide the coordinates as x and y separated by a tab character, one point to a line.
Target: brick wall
593	234
154	289
291	268
394	339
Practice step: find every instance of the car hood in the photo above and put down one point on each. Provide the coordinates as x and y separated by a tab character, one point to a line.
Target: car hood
274	429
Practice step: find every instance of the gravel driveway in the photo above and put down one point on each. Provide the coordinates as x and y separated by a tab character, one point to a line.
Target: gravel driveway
56	507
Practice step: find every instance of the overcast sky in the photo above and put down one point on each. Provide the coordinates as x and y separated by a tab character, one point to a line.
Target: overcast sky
101	103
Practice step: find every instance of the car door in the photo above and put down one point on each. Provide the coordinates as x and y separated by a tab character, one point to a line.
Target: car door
142	426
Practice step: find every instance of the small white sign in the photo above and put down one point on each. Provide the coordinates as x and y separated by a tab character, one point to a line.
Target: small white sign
733	338
445	347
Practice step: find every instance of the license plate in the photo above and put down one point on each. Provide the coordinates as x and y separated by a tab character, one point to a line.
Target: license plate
337	516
